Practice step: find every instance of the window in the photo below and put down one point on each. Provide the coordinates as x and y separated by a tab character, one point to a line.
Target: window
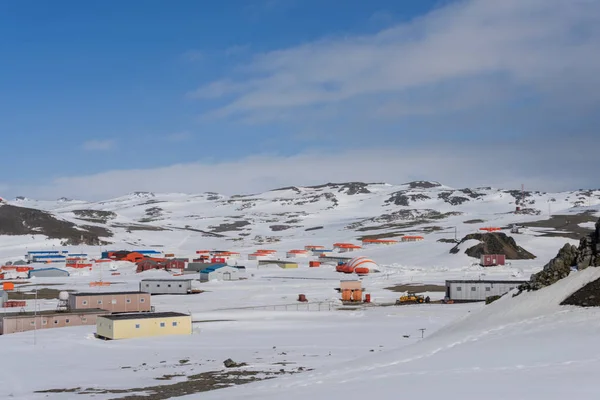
169	285
142	300
67	321
147	285
473	288
487	289
44	322
32	323
83	319
113	301
128	300
174	323
459	289
99	301
162	324
84	302
137	326
180	285
158	285
56	321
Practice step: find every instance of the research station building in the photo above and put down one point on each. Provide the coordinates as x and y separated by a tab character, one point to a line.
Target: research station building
166	286
478	290
126	326
47	319
115	302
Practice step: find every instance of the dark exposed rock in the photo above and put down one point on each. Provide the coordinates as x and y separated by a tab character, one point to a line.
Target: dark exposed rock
472	194
445	240
422	184
16	220
494	243
473	221
143	194
229	363
587	296
277	228
294	188
314	228
410	217
399	199
227	227
419	197
97	216
587	254
453	200
343	186
353	188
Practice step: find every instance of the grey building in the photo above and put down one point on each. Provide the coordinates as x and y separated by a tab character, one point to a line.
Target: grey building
3	297
478	290
199	266
166	286
47	273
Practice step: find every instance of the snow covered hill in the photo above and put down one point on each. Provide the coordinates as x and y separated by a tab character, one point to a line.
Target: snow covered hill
347	211
525	347
505	350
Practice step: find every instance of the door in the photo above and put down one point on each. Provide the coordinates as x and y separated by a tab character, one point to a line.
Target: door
226	276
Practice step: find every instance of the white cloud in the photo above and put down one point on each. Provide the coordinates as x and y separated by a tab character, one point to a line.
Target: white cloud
546	48
99	145
504	165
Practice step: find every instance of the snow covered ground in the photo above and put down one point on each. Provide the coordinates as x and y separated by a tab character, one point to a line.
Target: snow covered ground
522	348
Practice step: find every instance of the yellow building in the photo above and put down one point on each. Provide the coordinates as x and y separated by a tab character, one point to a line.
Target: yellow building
125	326
281	264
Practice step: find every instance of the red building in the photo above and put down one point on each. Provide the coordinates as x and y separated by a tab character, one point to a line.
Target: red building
491	260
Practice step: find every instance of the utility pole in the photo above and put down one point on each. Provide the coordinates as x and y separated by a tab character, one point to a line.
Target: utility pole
422	332
35	316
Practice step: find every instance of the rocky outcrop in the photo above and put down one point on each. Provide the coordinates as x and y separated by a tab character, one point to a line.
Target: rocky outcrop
587	254
587	296
589	249
559	267
16	220
422	184
494	243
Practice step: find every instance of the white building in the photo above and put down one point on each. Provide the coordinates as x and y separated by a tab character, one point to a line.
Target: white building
296	254
472	290
225	273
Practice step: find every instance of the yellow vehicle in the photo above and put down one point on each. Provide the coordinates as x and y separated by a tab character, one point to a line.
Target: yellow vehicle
411	298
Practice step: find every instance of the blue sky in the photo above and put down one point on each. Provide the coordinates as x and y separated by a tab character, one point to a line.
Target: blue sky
100	98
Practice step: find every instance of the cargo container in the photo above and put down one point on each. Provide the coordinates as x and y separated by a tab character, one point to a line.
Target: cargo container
491	260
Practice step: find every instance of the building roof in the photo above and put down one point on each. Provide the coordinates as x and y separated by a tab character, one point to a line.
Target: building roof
145	315
105	293
54	312
483	281
167	280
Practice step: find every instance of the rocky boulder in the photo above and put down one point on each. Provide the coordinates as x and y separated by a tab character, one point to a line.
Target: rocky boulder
494	243
589	249
587	254
559	267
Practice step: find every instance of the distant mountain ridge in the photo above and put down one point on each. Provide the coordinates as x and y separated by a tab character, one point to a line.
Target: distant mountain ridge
353	209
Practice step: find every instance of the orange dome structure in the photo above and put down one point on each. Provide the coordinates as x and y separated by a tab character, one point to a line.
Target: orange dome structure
363	263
